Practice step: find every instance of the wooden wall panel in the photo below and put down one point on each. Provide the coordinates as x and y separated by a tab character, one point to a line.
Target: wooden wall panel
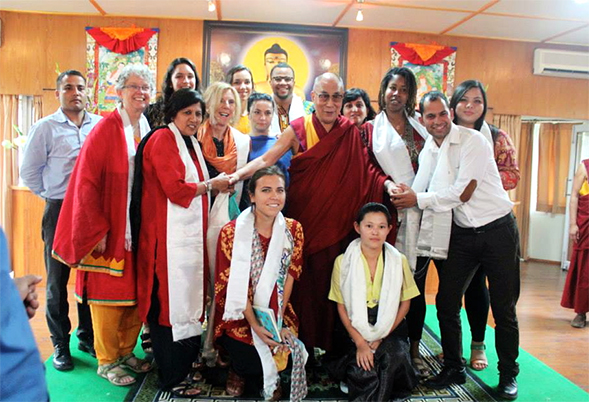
504	66
27	245
28	56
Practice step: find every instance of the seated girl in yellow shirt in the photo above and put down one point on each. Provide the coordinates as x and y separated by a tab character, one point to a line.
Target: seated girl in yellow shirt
372	285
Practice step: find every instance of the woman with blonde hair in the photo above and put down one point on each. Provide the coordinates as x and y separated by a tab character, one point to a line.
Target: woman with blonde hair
225	150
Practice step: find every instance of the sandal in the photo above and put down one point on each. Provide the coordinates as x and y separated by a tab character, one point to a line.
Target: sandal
115	374
146	342
221	363
195	376
421	367
186	389
478	357
579	321
235	384
135	364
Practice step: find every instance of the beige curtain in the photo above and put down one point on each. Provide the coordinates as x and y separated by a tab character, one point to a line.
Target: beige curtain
8	159
521	136
523	143
553	164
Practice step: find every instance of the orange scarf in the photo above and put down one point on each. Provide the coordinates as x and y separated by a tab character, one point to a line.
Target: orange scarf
224	164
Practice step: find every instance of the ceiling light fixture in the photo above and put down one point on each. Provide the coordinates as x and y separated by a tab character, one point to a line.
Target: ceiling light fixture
212	6
360	14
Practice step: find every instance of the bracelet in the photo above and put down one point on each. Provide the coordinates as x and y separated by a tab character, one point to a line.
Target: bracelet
208	186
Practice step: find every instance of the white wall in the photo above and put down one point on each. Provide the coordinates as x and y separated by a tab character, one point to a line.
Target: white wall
546	229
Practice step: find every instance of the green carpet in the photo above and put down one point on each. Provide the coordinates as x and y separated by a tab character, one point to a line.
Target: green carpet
82	384
536	382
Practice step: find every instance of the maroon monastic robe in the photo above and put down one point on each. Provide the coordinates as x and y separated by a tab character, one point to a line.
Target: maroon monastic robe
330	182
576	289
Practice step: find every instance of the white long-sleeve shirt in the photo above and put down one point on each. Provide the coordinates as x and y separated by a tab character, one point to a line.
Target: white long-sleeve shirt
470	158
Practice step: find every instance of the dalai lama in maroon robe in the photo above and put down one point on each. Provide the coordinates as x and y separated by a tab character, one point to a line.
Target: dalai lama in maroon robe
332	176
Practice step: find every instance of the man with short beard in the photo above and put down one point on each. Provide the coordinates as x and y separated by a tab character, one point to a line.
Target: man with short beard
289	106
467	219
52	147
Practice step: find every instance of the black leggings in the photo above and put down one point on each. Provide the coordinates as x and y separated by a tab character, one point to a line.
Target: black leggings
174	359
476	301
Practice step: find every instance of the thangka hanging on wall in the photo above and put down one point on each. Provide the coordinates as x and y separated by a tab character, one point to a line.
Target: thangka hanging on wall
108	50
433	65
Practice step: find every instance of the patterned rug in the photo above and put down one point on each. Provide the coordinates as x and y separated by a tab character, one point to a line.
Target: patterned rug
321	387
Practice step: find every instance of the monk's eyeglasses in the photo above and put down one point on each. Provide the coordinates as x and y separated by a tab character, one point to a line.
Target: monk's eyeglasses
324	97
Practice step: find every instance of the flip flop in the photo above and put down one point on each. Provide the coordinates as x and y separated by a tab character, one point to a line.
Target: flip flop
186	389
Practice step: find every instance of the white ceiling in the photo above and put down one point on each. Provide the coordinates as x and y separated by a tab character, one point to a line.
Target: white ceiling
549	21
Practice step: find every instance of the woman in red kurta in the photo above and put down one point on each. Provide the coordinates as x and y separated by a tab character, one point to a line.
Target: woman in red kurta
261	276
576	289
170	211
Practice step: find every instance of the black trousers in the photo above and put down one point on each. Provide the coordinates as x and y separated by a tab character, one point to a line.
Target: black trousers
476	304
416	314
245	360
174	359
58	275
496	248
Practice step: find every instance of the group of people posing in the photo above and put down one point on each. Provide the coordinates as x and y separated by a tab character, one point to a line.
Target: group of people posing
178	221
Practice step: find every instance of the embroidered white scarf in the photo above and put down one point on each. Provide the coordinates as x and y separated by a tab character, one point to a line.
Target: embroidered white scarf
434	233
130	140
353	287
239	277
185	245
392	156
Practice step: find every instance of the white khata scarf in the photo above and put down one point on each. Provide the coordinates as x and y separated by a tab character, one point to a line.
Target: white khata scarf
353	287
275	268
392	156
185	245
130	140
434	234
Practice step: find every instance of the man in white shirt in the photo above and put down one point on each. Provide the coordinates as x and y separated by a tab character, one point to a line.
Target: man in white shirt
459	179
52	147
289	106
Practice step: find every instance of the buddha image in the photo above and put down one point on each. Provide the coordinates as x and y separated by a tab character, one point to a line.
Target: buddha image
273	56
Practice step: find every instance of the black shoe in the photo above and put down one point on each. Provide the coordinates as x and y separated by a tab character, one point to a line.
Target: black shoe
448	376
507	388
87	347
62	359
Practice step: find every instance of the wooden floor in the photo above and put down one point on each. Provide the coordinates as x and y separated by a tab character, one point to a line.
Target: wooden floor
544	325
